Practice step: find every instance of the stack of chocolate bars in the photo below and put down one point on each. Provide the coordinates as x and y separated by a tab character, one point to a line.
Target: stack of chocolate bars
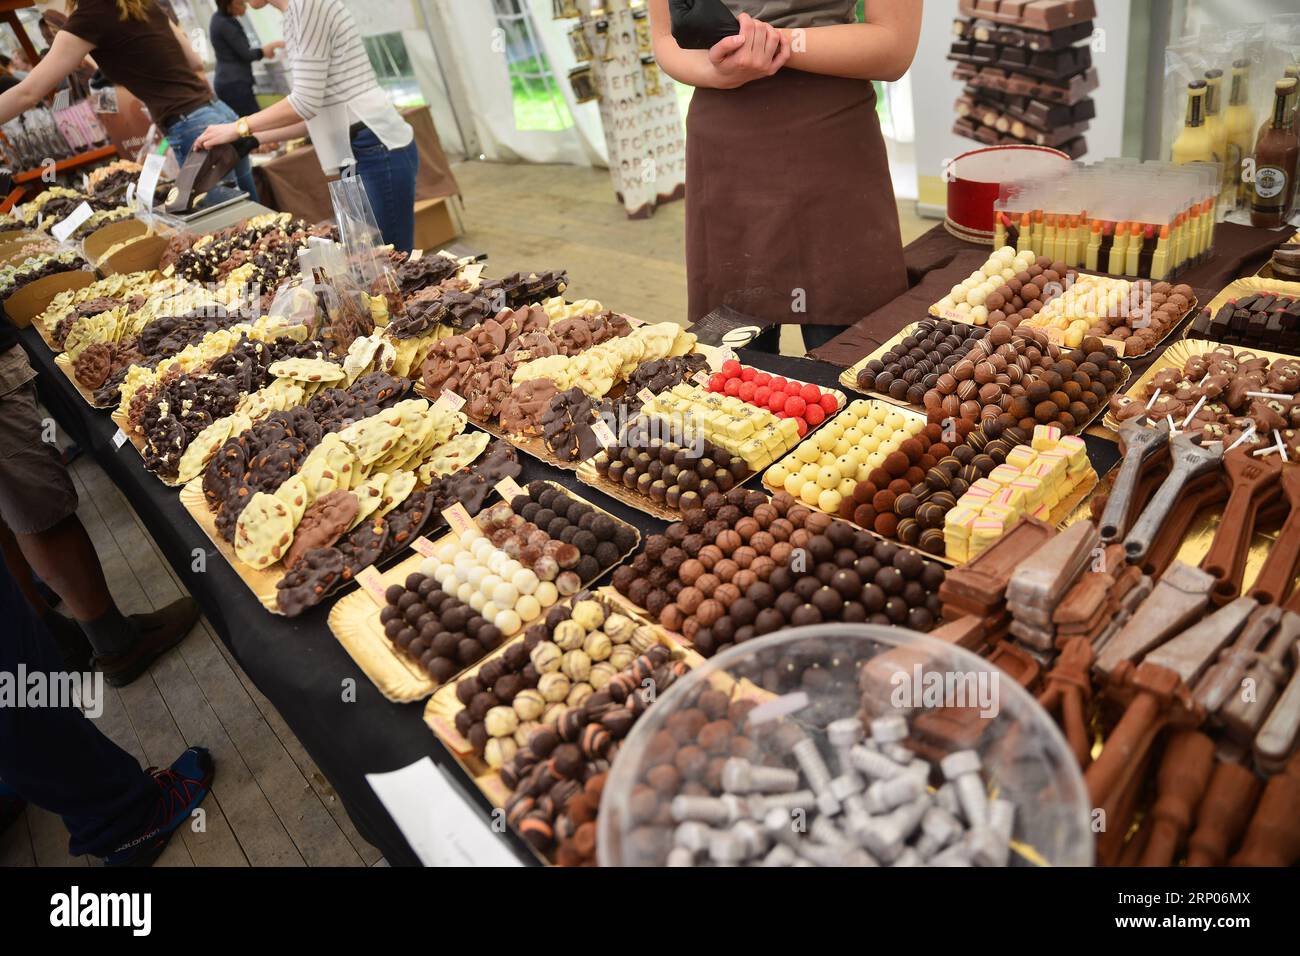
1027	66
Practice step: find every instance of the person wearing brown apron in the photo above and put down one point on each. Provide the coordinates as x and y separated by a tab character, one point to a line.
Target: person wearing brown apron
790	214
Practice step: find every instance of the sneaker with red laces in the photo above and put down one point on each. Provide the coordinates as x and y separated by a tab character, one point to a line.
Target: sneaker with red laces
181	788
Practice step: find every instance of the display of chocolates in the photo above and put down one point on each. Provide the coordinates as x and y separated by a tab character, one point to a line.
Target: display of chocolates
1261	320
1010	287
803	402
1221	394
1138	313
19	275
564	658
909	496
671	475
823	471
435	629
1028	69
915	365
1037	480
1285	261
742	430
1022	375
601	541
729	572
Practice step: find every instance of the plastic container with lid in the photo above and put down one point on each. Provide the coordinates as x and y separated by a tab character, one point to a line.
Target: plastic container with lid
779	688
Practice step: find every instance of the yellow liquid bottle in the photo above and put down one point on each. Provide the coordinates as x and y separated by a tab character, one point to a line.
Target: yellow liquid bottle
1218	131
1239	122
1194	144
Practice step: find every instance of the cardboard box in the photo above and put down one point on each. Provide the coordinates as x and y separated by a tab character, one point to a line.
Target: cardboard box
437	222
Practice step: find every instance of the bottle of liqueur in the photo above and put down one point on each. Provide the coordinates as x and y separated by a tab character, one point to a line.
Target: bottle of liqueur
1194	144
1239	122
1276	154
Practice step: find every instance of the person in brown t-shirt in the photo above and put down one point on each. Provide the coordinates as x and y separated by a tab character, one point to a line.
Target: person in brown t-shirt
136	45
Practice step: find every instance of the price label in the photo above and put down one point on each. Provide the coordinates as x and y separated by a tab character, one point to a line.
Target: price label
647	397
508	488
721	356
130	195
373	582
1056	336
416	255
1116	344
422	546
449	401
603	434
471	273
63	230
119	439
458	518
702	376
148	181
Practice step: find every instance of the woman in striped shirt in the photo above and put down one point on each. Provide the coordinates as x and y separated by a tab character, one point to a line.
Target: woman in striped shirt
337	101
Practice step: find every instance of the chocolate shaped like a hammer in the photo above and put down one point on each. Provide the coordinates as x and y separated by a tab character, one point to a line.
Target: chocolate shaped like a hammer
1273	836
1277	738
1176	601
1180	783
1277	576
1156	698
1244	713
1141	443
1190	653
1222	815
1223	678
1067	691
1252	479
1189	461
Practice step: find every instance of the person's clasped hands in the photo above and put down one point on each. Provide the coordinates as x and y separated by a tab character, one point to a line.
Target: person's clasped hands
758	50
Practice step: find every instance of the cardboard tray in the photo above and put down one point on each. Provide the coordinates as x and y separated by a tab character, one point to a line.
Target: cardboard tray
1242	287
35	297
104	238
1176	356
849	379
440	712
354	620
66	367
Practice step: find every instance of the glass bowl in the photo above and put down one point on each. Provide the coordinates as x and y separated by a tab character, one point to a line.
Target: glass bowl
758	699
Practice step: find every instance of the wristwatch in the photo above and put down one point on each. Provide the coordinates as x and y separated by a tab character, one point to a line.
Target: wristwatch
241	127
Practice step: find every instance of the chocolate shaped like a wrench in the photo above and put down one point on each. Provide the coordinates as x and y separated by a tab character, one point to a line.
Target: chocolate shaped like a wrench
1141	443
1189	460
1277	575
1252	479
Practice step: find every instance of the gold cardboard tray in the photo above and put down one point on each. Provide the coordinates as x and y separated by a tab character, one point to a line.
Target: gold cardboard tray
34	298
1175	357
354	621
849	378
440	712
261	583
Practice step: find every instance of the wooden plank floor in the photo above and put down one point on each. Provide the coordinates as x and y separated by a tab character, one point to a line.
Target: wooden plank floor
270	805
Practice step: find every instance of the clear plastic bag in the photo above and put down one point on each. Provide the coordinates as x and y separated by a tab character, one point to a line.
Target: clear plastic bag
342	304
368	261
296	303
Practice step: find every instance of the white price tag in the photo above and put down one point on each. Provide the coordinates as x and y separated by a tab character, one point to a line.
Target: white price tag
119	439
449	401
416	255
441	825
603	434
63	230
148	181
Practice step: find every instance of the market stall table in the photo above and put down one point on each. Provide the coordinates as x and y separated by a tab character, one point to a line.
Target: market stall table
297	663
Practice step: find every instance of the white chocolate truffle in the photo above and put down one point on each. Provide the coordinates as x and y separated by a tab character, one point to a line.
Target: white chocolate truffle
529	704
568	635
501	721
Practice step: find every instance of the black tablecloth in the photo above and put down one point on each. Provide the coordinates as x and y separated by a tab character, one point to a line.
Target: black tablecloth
297	663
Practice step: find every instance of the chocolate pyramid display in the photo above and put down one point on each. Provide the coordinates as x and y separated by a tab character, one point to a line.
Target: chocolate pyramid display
1028	70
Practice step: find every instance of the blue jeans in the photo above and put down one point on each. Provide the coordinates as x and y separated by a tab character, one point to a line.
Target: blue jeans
185	131
389	178
57	758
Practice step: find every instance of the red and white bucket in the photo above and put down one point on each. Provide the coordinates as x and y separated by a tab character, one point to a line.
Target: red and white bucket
975	179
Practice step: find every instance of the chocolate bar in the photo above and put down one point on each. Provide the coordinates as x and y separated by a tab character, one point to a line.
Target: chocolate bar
1033	14
1008	124
1066	91
1035	113
1055	65
1067	141
986	31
